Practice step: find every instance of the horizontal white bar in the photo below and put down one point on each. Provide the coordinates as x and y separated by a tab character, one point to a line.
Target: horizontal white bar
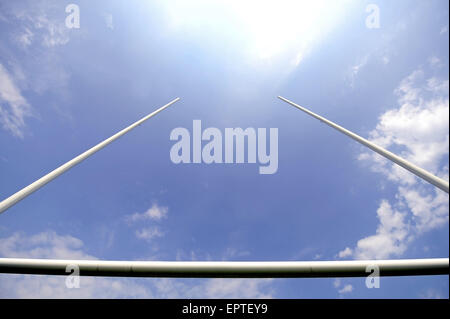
227	269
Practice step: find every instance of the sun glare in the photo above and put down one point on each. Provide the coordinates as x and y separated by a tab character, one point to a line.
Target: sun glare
270	28
275	26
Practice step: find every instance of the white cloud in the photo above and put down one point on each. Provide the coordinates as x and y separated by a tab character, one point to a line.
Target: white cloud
420	125
437	86
14	108
153	213
346	289
213	288
317	256
419	128
390	239
42	245
109	20
234	288
149	233
25	37
337	283
355	69
345	253
418	131
29	286
36	28
51	245
434	61
429	210
431	294
38	23
232	253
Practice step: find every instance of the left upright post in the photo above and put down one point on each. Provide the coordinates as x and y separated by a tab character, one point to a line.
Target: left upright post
13	199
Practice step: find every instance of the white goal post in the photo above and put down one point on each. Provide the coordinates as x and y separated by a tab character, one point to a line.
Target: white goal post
224	269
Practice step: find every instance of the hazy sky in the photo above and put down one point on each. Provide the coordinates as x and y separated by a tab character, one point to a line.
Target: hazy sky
378	68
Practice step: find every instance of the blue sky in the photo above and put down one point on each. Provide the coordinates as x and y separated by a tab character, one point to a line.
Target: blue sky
63	90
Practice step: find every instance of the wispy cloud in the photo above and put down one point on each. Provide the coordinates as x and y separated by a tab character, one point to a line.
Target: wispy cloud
348	288
356	69
109	20
39	23
14	108
345	253
43	245
30	61
25	37
149	233
152	215
155	212
431	294
434	61
234	288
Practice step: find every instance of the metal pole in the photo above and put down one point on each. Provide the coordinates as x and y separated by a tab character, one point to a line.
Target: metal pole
233	269
13	199
436	181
